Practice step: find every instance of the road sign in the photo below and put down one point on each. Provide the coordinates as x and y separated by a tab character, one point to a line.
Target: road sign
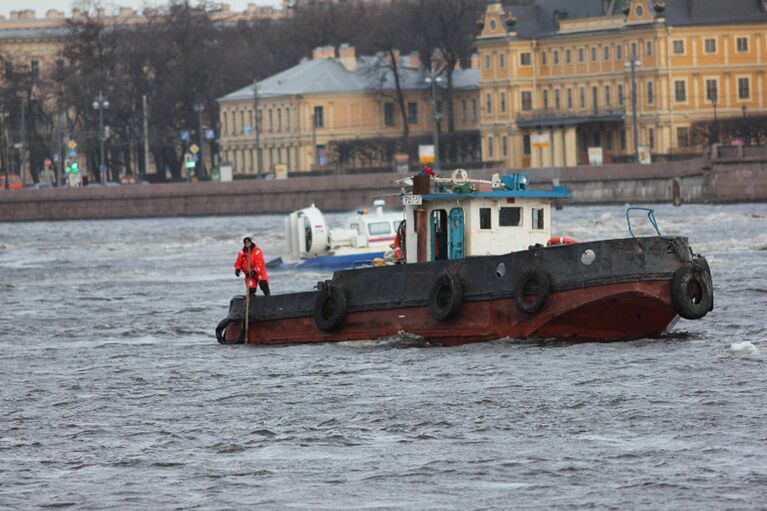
56	157
184	135
248	129
194	148
72	144
210	134
72	153
540	141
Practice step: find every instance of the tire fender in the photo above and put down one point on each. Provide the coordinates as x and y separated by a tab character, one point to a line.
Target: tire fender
446	297
542	281
692	291
330	308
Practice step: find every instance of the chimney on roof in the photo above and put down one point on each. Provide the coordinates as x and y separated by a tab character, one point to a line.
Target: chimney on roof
558	17
414	60
348	57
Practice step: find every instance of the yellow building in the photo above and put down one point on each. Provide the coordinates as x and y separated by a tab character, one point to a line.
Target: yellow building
311	111
556	76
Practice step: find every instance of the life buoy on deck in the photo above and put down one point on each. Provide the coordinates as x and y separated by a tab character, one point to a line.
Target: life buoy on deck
330	308
560	241
535	284
445	297
692	291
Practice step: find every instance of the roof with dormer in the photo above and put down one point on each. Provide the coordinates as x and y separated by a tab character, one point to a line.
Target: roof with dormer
538	20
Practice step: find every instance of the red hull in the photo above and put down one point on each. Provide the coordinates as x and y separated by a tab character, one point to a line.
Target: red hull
609	312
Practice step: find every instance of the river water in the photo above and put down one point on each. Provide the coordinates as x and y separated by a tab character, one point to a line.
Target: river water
115	393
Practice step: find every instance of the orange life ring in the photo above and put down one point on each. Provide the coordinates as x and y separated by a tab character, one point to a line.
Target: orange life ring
561	241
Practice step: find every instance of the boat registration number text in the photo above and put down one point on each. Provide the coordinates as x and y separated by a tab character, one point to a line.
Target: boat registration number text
412	200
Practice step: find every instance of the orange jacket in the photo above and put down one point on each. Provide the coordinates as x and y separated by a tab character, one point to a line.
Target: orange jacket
256	264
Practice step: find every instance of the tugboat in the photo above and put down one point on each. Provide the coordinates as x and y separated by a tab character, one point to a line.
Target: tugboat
480	264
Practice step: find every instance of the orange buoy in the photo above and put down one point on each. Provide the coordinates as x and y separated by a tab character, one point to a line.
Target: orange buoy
561	241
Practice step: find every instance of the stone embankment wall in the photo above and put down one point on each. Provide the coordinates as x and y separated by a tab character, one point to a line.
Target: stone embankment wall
720	180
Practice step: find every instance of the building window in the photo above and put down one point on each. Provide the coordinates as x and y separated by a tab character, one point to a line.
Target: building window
537	217
8	70
680	91
527	101
677	47
621	99
226	123
545	99
242	121
389	114
608	96
709	45
712	90
59	69
682	137
503	102
502	60
35	70
569	99
581	55
556	56
568	56
319	117
463	111
606	55
594	98
526	145
412	112
557	100
271	119
544	58
485	218
593	54
619	52
524	59
622	140
651	137
487	61
490	146
634	50
504	146
279	119
488	103
744	88
650	92
741	44
609	141
474	111
510	216
648	48
582	97
287	118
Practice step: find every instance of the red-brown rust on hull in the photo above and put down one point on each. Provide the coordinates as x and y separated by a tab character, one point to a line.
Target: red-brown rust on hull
608	312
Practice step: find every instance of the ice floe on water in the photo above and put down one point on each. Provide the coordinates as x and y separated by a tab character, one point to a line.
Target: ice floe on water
744	349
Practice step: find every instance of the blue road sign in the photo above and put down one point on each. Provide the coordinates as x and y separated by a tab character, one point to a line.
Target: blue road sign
103	167
248	129
184	135
210	134
72	153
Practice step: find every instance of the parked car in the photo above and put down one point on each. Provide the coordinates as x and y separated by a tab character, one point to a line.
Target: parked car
14	182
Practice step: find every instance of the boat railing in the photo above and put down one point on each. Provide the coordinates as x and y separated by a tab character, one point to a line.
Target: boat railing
650	217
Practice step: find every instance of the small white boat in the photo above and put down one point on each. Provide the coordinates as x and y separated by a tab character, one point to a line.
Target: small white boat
365	236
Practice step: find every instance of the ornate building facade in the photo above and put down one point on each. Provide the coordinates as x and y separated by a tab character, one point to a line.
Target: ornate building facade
559	77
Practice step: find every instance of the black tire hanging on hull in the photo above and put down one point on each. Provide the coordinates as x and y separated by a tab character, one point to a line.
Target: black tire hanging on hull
542	290
330	308
692	291
446	297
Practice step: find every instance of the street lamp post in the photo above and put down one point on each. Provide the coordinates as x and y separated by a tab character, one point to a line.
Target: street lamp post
257	126
633	64
200	108
432	80
716	121
100	104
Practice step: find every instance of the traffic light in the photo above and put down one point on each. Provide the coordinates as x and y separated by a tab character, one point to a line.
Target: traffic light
75	168
67	166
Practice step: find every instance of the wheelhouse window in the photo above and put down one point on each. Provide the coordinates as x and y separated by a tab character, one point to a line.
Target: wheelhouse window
485	218
537	218
379	228
510	217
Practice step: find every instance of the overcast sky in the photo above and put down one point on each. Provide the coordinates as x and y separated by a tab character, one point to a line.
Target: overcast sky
6	6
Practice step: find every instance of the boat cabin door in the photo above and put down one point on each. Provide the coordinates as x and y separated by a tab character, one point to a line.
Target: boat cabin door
446	234
456	234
